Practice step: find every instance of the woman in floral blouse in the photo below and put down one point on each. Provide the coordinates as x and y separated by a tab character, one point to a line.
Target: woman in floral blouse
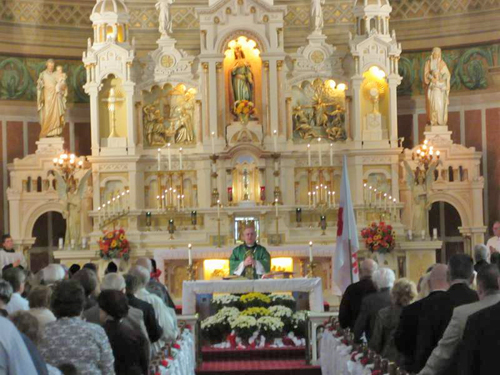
70	339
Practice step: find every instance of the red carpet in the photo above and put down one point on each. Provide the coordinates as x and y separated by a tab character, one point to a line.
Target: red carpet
278	361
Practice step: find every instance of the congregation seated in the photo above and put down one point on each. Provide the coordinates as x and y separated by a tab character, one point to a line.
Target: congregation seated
72	340
403	293
134	317
130	346
14	355
154	286
39	301
5	296
354	294
88	280
16	277
152	327
165	315
373	303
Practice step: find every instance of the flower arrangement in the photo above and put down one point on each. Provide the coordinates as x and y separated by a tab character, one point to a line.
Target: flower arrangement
284	314
283	299
218	326
299	322
255	300
270	327
256	312
244	326
379	238
225	300
114	245
243	109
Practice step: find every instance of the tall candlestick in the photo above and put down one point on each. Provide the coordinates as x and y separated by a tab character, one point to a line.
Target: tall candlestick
365	192
218	208
276	206
385	201
331	154
159	159
310	251
213	143
275	140
370	189
158	202
310	198
395	208
329	199
190	259
333	198
178	203
309	155
169	157
180	159
319	151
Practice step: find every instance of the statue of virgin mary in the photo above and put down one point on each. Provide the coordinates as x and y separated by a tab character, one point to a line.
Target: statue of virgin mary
242	82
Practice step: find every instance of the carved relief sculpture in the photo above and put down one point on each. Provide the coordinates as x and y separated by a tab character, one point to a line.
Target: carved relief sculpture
318	111
437	81
52	92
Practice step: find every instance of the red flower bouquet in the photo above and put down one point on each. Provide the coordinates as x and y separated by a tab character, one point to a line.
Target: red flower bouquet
379	238
114	245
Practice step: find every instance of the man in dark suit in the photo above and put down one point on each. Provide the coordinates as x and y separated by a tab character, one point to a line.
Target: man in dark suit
437	310
405	337
354	294
480	345
481	253
365	323
152	327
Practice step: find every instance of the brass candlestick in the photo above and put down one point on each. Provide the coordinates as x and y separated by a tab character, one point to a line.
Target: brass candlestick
191	272
218	233
310	269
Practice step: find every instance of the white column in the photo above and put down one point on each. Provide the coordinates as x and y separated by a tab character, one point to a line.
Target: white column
72	137
94	119
25	138
393	110
131	128
273	95
356	109
212	97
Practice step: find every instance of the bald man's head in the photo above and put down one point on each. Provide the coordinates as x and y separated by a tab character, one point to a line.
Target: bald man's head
368	267
144	262
438	279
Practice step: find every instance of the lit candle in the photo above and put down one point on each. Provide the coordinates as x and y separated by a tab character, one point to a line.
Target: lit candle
395	208
314	198
310	198
180	159
275	140
213	143
319	151
333	198
178	203
182	201
190	259
435	234
370	195
309	155
331	154
385	201
310	251
159	159
329	199
365	192
169	157
158	201
218	208
276	206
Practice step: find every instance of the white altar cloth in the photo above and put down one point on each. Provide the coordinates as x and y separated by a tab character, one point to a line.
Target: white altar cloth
191	288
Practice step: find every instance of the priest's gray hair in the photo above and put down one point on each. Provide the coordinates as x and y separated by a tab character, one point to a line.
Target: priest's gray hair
5	291
53	273
384	278
480	252
113	281
142	275
144	262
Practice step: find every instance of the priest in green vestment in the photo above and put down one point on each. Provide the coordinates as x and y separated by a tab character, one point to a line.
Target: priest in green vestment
250	260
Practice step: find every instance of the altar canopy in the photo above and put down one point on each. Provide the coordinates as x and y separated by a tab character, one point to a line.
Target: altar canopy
192	288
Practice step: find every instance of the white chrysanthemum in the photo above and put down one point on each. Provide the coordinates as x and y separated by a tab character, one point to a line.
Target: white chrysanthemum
270	323
280	311
281	296
243	321
225	299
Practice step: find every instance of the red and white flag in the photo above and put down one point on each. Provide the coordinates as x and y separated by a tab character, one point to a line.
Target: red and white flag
347	236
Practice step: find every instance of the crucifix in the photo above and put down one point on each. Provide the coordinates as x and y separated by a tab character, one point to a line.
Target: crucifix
112	101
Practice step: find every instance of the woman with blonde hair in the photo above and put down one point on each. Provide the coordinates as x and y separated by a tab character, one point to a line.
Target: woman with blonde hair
403	293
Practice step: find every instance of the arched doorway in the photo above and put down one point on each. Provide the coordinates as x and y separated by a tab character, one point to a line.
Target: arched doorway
48	228
446	219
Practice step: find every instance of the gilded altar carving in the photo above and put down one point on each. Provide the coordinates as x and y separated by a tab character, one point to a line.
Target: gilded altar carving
168	116
318	110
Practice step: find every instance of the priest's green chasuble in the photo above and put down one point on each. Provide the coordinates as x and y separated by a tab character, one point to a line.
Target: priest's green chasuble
259	253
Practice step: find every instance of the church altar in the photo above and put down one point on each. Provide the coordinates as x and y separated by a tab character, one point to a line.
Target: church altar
191	288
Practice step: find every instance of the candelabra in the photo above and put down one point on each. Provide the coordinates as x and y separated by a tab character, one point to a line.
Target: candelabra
380	203
425	155
116	208
68	165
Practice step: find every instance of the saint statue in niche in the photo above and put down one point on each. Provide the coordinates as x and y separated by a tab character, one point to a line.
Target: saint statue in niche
437	81
242	80
52	92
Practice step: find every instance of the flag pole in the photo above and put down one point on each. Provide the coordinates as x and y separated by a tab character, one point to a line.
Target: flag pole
350	260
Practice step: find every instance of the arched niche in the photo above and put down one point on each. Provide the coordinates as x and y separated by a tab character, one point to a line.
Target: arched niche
112	123
445	218
47	229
